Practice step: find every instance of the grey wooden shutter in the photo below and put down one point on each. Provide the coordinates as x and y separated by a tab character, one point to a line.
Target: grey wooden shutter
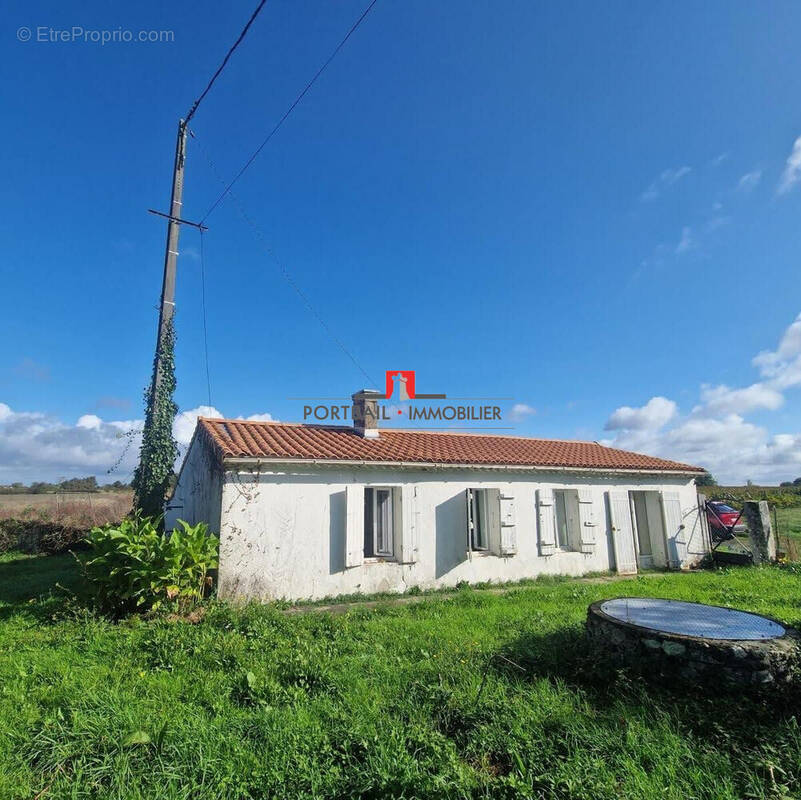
354	526
468	496
508	525
671	512
492	498
587	520
546	522
406	499
622	533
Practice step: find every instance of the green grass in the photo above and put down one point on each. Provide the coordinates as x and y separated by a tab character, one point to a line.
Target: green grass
254	703
789	521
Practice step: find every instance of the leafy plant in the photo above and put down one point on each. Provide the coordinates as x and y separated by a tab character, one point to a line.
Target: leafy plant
707	479
159	449
135	564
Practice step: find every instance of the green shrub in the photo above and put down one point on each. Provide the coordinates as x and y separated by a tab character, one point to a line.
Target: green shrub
134	565
38	535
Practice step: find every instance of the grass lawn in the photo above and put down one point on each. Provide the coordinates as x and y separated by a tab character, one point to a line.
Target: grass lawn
254	703
789	521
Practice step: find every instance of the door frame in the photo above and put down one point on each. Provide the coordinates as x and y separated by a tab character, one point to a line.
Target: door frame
662	537
635	525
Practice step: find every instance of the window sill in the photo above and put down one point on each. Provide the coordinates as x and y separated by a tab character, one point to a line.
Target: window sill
379	560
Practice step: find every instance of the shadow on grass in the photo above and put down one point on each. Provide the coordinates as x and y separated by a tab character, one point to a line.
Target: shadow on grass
712	713
37	586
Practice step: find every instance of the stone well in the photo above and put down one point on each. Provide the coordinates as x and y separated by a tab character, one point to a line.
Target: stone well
680	642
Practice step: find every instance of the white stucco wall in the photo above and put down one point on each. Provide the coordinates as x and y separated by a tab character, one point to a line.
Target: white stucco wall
198	491
283	529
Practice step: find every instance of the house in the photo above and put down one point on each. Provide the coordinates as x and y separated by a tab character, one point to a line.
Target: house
310	511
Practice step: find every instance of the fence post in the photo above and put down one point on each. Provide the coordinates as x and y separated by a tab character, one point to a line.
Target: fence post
703	521
763	544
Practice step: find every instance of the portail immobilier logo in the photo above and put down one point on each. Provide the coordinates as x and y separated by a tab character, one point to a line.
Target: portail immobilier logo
406	401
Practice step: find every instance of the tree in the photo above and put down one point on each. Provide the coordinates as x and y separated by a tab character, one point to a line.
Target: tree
707	479
797	482
88	484
159	449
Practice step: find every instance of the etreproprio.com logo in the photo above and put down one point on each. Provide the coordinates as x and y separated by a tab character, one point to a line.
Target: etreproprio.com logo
77	34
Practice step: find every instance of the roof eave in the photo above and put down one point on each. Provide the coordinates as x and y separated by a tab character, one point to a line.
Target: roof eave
236	461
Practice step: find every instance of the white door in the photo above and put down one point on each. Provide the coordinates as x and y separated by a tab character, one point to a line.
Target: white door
674	528
622	533
639	513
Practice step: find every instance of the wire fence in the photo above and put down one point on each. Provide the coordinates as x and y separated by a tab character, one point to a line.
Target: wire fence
785	528
786	523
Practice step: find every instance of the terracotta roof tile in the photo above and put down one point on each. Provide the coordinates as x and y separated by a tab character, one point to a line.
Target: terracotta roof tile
244	439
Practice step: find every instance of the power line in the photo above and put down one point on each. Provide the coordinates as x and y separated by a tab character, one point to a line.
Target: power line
203	304
224	61
289	110
259	234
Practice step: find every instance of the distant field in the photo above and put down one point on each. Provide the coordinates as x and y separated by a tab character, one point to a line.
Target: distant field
88	507
789	522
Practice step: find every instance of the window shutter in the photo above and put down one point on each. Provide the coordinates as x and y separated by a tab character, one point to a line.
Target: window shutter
622	533
354	527
468	497
493	511
405	501
547	523
671	510
508	526
587	519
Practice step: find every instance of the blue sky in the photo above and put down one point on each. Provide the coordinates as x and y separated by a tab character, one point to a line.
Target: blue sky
580	206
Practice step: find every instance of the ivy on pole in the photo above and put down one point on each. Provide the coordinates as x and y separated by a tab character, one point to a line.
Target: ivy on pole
159	450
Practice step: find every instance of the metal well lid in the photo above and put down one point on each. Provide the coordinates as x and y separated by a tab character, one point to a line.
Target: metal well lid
691	619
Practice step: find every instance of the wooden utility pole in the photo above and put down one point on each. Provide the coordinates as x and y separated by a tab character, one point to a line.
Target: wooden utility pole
159	450
171	253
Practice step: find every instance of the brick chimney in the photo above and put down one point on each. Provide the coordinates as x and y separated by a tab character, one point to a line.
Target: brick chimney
365	413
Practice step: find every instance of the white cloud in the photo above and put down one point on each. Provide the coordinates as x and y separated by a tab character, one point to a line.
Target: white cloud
184	425
36	446
732	449
792	169
521	410
721	399
782	366
655	414
666	178
750	180
718	160
715	434
686	242
259	418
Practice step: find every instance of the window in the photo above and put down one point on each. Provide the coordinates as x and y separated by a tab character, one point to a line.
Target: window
477	519
378	523
722	508
568	531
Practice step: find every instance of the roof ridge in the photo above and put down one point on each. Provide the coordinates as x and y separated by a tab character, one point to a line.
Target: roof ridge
273	422
324	426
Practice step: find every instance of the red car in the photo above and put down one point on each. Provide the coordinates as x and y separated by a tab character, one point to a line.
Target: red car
723	518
